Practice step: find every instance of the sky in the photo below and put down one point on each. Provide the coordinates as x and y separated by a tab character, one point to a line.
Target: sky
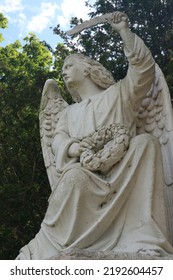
38	16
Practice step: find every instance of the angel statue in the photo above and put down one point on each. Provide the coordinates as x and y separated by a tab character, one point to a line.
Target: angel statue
108	155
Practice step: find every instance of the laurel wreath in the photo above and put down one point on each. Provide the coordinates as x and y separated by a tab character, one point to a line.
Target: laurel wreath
109	150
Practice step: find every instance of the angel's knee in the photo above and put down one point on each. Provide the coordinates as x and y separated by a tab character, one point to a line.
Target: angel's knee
75	178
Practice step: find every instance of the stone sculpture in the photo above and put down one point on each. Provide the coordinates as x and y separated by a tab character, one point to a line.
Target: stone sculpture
104	156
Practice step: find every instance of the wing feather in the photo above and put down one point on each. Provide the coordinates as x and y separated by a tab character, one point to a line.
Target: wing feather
51	106
155	117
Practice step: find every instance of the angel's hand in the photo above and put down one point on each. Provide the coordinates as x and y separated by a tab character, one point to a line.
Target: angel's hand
87	143
119	21
76	149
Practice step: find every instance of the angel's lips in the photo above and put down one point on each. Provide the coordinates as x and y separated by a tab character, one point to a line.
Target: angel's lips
65	78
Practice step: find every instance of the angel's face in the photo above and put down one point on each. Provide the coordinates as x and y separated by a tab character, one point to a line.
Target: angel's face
73	72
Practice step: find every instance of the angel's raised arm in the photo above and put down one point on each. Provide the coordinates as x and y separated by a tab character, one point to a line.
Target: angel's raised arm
141	71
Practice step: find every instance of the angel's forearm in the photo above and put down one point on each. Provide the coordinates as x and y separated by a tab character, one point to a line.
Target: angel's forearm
119	23
128	39
141	72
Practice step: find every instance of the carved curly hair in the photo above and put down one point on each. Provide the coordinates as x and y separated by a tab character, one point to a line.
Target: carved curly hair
97	72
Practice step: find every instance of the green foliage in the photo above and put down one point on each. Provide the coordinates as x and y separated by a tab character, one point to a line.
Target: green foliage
151	20
3	24
3	21
23	71
24	186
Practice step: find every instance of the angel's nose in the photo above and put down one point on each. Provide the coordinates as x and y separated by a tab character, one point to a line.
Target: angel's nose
63	73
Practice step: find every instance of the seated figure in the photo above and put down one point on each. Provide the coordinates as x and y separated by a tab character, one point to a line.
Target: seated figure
104	156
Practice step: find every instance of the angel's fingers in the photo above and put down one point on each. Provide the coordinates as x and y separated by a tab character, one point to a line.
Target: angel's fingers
116	17
88	159
98	138
84	145
119	16
82	149
89	141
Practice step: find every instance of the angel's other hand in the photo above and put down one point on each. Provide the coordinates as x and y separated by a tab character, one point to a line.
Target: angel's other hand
74	150
87	143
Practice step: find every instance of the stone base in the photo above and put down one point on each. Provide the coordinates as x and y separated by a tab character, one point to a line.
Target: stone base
75	254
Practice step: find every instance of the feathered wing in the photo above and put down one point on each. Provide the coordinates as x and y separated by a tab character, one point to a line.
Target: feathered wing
156	118
52	104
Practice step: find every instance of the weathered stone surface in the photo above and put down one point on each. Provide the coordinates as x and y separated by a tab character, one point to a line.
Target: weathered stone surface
75	254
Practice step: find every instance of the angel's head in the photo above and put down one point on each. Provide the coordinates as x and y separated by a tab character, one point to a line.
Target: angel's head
78	66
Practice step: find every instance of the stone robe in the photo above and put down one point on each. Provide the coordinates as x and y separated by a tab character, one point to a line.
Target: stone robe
123	210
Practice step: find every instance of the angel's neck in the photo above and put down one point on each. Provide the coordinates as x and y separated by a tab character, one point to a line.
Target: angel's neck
87	89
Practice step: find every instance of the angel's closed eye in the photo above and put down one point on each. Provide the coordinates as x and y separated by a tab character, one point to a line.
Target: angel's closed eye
68	66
